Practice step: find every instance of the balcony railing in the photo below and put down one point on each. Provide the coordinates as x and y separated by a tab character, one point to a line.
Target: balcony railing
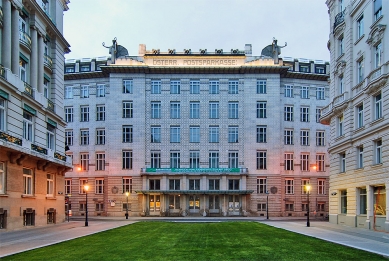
339	18
1	15
25	39
9	138
340	99
2	71
28	90
48	62
50	106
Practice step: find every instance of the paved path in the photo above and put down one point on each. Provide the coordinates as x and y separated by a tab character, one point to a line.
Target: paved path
13	242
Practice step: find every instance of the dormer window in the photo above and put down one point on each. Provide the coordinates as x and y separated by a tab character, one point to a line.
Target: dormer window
304	68
85	67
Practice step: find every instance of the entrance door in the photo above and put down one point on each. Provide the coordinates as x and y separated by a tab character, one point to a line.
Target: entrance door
233	205
214	204
154	204
194	204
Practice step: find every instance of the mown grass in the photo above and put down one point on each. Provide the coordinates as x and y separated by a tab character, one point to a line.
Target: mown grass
196	241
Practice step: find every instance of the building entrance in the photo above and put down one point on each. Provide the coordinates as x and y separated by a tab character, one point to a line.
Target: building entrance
233	205
154	204
194	204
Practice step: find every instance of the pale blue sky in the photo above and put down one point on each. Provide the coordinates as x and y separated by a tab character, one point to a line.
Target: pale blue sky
195	24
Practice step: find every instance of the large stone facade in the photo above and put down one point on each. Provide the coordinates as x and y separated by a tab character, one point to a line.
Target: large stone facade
358	114
203	133
32	148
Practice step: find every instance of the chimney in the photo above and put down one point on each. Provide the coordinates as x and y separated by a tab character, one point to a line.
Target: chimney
142	49
248	50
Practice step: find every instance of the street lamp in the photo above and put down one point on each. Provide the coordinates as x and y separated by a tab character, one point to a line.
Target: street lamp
267	204
86	187
127	205
308	188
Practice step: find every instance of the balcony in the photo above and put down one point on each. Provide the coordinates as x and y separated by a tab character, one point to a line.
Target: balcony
2	71
28	90
25	39
48	62
50	106
339	18
338	104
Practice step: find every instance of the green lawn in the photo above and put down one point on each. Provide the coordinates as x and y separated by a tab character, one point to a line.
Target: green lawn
196	241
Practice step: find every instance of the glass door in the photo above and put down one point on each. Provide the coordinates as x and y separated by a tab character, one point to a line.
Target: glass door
233	205
154	204
194	204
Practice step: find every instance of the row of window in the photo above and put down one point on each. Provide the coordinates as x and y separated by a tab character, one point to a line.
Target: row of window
378	196
85	91
304	92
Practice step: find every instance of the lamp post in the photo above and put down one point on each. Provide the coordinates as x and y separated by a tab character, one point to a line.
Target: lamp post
127	205
86	187
308	188
267	204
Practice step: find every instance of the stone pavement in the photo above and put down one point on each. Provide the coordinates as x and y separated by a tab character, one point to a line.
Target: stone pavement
12	242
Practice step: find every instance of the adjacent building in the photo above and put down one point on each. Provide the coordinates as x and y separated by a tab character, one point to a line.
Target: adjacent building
32	130
221	133
358	113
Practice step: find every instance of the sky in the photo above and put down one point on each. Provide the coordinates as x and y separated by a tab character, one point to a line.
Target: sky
197	24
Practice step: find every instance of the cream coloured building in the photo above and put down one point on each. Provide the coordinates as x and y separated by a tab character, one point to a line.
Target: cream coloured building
32	142
218	132
358	113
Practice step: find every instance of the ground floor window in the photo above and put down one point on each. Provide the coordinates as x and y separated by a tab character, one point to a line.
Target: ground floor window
214	202
379	201
125	206
51	216
289	207
261	207
82	206
343	201
304	207
99	207
3	218
320	207
29	217
174	202
362	201
194	202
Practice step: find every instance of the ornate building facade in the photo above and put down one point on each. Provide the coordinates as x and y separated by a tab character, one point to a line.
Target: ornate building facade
358	113
32	130
196	133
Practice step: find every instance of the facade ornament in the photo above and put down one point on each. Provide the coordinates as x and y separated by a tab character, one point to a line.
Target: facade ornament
376	34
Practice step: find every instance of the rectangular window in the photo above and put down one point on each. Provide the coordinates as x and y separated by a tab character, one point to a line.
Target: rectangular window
194	87
340	85
155	87
304	183
360	157
261	109
289	207
100	112
28	184
362	201
261	134
214	159
127	159
194	110
84	159
213	110
2	114
69	114
341	47
155	184
320	162
340	125
304	161
100	91
360	116
68	186
194	159
233	87
127	133
214	184
289	91
261	159
261	207
377	9
82	183
155	110
304	137
99	207
288	137
379	201
360	69
127	86
320	138
304	92
320	93
194	184
84	67
155	134
175	134
318	114
84	91
127	185
261	86
175	110
23	70
233	110
342	162
175	160
289	186
100	136
100	161
50	185
174	184
320	69
155	159
378	151
68	92
360	27
233	184
175	87
84	113
288	113
68	137
50	137
28	126
304	68
194	133
127	109
343	201
233	160
213	134
261	186
378	55
99	186
288	161
304	114
321	186
213	87
233	134
84	137
377	106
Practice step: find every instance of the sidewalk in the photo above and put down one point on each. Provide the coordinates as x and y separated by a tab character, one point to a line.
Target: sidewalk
13	242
